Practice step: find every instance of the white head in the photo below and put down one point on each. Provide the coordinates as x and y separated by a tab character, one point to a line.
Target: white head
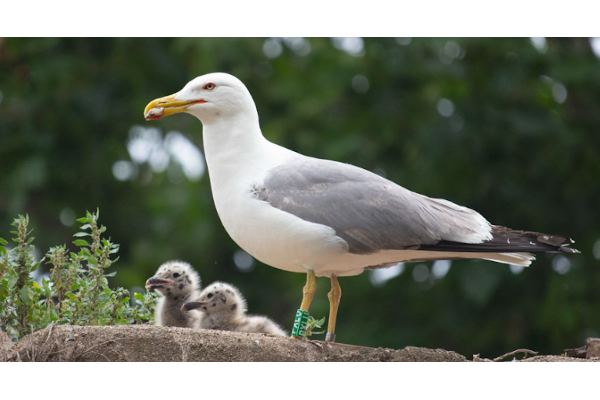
210	98
174	279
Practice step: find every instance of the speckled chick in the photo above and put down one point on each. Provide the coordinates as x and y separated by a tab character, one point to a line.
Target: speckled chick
222	307
177	282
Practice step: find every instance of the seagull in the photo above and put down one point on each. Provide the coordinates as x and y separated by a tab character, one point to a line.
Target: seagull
322	217
222	307
177	282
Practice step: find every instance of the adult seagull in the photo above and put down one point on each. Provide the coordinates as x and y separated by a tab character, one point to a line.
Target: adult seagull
323	217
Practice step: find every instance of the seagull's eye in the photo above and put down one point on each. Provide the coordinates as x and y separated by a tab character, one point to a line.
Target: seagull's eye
210	86
176	275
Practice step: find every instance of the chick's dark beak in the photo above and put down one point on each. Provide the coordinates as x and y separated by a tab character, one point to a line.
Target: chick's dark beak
192	305
154	282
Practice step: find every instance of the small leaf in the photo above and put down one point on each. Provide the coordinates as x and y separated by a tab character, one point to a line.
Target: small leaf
4	291
111	274
92	260
26	295
3	242
81	234
82	220
37	264
80	242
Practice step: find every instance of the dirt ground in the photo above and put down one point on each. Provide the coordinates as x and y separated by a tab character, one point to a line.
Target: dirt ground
142	343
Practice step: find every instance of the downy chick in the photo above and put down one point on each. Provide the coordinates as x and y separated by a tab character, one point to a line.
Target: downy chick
177	282
222	307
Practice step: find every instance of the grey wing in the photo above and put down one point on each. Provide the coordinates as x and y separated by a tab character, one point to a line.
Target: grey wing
369	212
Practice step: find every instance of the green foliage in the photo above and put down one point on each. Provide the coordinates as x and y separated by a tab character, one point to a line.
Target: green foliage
77	292
313	323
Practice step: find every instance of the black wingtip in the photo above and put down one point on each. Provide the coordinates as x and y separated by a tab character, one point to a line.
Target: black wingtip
560	242
569	250
507	240
553	240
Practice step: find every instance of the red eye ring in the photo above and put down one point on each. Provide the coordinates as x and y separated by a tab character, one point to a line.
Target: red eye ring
210	86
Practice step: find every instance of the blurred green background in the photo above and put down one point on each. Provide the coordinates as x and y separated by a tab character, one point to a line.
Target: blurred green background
508	127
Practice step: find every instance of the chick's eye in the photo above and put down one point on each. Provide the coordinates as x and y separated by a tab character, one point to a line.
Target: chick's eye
176	275
210	86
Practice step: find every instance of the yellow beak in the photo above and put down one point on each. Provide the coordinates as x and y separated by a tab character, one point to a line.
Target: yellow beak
166	106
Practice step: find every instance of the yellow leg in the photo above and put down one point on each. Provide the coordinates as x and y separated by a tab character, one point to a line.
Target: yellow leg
308	293
309	290
334	301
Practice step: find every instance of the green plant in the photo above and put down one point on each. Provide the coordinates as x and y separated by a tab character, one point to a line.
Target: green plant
77	290
312	324
15	282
